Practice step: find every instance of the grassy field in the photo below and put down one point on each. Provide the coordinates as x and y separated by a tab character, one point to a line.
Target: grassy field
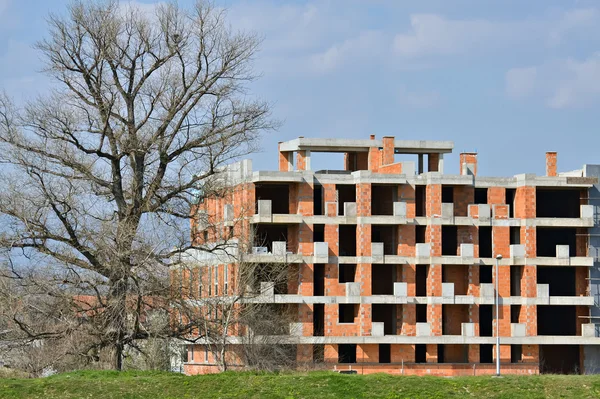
322	385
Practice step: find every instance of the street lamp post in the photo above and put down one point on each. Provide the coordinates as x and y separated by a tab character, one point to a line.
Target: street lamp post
498	257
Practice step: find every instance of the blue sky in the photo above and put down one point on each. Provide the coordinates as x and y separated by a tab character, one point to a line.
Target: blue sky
509	79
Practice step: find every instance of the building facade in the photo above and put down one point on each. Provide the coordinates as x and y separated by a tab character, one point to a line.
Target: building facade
392	262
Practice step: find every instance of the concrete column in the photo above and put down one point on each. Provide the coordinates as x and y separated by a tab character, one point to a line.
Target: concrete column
420	169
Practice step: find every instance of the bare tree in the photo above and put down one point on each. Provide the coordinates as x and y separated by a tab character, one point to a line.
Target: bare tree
99	174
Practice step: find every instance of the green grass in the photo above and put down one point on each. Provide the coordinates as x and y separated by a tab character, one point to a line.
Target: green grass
322	385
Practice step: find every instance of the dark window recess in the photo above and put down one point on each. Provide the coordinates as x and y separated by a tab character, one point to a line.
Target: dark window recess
386	314
347	239
516	273
485	242
347	273
551	203
265	234
516	351
515	312
556	320
440	353
515	235
420	234
485	320
547	238
319	320
318	353
318	199
383	198
420	200
486	353
347	353
449	240
447	194
560	359
386	235
485	274
421	280
421	313
382	279
279	194
385	353
510	195
420	353
561	279
319	280
347	312
345	193
318	232
481	195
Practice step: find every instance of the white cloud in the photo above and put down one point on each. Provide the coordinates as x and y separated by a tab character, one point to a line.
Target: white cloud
572	22
367	45
520	82
577	83
433	34
567	83
414	99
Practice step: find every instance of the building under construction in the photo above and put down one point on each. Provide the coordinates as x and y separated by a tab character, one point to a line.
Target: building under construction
393	262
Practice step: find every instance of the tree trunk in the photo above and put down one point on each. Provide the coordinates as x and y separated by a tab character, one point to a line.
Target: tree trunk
115	320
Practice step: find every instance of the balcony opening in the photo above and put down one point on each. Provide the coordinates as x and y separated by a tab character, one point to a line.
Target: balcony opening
383	198
481	196
347	239
347	353
318	233
383	278
447	194
318	200
275	319
452	318
347	273
485	242
420	234
420	353
386	314
385	353
345	193
421	312
420	200
387	235
485	275
348	312
319	280
515	313
318	353
270	273
559	359
485	320
561	279
547	238
515	235
454	353
449	240
318	319
486	353
516	274
265	234
509	200
279	194
557	203
421	280
457	274
556	320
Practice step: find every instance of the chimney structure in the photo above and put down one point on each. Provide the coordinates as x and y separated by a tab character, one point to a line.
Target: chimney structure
551	163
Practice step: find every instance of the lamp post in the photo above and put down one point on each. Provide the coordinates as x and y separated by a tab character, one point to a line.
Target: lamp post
498	257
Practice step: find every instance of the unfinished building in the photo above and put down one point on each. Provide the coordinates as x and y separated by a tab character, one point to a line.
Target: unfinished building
393	263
